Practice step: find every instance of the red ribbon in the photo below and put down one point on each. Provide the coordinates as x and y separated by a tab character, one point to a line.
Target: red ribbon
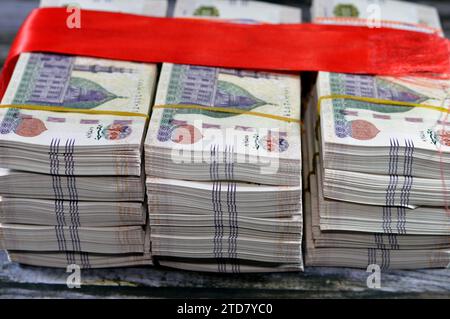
289	47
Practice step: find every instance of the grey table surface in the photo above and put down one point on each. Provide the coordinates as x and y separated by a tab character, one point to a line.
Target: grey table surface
19	281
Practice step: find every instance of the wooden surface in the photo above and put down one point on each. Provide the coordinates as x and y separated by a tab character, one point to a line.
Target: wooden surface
18	281
316	282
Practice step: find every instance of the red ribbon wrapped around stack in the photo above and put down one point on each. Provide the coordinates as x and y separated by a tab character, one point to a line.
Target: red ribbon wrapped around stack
287	47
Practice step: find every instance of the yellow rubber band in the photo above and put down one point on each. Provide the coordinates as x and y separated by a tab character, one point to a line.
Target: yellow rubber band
70	110
226	110
380	101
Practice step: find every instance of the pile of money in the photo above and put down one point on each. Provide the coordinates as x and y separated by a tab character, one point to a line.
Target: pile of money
224	184
207	174
378	169
71	182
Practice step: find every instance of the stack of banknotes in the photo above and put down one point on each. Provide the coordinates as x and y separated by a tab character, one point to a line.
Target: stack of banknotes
379	172
204	169
224	188
72	183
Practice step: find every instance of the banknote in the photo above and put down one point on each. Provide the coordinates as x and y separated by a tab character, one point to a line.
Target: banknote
361	249
238	11
346	121
267	93
82	259
78	83
399	140
108	240
81	82
377	13
156	8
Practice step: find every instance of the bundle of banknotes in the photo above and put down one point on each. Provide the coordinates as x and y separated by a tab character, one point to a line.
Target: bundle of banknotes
379	177
72	183
210	169
224	188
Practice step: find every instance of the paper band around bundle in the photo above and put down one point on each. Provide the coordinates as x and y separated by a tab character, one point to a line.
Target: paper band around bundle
71	110
380	101
227	110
